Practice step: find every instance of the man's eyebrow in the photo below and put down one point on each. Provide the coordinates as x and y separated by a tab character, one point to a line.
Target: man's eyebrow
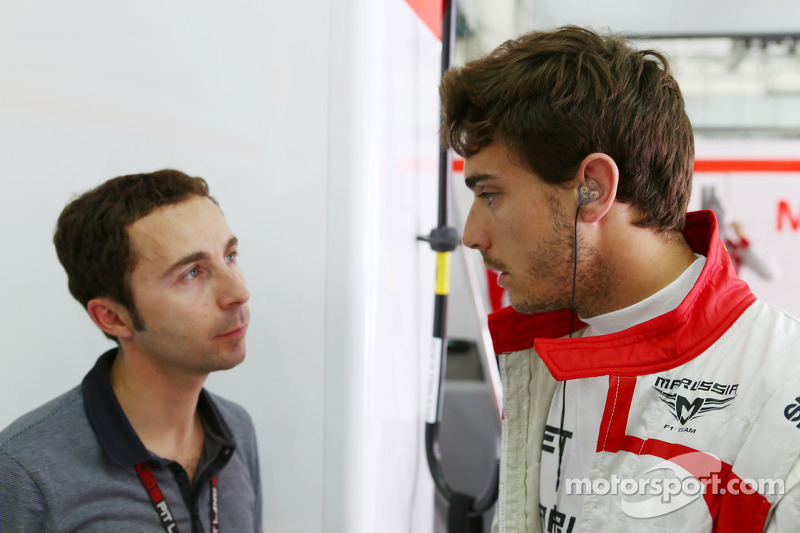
195	256
473	181
185	260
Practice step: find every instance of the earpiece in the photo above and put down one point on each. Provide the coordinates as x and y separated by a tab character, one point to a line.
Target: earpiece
588	192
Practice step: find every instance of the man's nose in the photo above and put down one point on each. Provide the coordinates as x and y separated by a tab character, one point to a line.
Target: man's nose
474	232
233	290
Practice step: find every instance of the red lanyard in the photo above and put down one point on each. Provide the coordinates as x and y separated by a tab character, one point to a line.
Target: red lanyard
150	483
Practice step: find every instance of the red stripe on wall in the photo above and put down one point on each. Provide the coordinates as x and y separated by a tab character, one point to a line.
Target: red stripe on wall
747	165
720	165
431	12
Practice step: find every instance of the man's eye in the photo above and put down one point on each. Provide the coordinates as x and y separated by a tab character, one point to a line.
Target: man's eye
192	274
489	196
231	257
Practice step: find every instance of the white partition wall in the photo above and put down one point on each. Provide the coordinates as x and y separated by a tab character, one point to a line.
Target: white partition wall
315	126
381	195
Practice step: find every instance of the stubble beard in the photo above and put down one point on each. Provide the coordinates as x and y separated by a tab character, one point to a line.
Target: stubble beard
551	268
549	275
235	354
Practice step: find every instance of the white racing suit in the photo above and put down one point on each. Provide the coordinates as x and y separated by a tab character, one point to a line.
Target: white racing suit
702	408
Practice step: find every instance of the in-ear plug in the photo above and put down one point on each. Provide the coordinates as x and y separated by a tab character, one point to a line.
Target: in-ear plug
588	194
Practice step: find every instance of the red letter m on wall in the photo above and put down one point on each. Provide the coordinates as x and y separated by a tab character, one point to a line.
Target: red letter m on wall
785	213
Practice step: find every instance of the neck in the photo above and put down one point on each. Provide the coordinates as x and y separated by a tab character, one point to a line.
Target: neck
161	409
638	262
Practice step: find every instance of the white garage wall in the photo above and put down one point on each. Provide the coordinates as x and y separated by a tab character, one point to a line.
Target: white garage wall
315	147
381	195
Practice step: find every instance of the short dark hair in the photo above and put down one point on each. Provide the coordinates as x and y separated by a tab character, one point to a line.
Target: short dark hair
91	236
556	97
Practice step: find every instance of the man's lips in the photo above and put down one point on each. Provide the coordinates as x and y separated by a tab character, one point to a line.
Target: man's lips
501	269
501	276
234	333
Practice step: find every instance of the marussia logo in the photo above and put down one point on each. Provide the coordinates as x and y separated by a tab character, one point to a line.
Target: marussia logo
685	409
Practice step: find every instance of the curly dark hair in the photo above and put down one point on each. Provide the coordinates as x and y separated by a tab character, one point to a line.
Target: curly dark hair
91	236
556	97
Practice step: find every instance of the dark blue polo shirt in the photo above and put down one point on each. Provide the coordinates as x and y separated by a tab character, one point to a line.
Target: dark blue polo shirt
69	466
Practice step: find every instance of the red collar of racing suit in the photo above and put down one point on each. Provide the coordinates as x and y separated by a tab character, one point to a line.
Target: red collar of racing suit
667	341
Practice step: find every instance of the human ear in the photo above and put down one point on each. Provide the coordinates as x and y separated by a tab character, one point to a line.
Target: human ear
111	317
597	179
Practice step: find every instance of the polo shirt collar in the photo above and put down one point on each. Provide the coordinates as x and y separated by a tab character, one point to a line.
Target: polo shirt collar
715	302
114	432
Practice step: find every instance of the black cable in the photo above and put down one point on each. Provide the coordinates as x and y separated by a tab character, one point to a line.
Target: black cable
574	269
562	441
561	438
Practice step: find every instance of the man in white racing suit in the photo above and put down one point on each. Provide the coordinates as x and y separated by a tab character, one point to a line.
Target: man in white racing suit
646	388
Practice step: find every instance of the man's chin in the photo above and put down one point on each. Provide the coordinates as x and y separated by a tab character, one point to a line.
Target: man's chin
525	309
528	307
231	359
522	306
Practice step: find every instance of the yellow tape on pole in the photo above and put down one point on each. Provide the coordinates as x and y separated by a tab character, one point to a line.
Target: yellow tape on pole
443	272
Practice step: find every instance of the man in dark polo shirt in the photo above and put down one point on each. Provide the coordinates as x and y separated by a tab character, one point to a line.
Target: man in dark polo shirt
140	445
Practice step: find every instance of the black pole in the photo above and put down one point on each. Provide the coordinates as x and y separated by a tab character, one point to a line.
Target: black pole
445	160
465	512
